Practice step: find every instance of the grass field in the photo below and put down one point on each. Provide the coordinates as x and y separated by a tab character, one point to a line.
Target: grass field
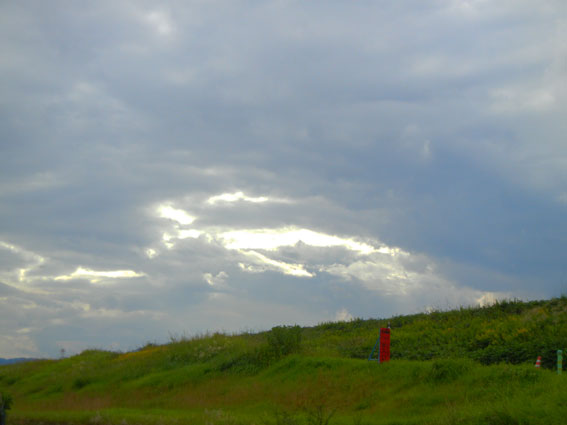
466	366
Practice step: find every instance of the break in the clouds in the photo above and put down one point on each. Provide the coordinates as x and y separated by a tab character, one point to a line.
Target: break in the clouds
192	166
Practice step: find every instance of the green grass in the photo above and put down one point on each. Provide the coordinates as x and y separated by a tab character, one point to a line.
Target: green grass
466	366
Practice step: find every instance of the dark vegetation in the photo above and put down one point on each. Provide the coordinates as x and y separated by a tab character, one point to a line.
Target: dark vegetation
467	366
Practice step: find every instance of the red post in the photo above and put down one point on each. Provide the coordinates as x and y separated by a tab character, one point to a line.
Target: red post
384	345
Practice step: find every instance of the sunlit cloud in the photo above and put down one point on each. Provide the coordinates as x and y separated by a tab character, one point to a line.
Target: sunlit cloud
97	276
121	314
175	214
151	253
387	270
248	242
31	260
230	198
166	239
215	280
190	233
272	239
259	263
235	197
343	315
169	239
379	274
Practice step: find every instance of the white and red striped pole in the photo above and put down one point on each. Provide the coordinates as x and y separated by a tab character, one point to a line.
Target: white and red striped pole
538	362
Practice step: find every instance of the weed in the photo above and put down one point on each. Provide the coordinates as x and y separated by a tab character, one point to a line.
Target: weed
320	414
281	417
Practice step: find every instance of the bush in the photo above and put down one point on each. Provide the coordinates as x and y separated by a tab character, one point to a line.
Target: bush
80	382
284	340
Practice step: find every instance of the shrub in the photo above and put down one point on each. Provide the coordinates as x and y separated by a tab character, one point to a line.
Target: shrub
284	340
81	382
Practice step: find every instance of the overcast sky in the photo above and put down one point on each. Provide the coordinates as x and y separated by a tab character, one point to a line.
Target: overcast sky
234	165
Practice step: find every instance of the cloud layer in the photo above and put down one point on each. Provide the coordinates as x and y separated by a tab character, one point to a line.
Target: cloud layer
233	165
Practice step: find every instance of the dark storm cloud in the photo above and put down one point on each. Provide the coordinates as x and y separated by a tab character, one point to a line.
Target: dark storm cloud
430	131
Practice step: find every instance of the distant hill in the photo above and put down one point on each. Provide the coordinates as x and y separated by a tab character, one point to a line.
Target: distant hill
16	360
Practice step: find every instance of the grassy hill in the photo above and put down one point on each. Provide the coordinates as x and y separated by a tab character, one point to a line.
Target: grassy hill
466	366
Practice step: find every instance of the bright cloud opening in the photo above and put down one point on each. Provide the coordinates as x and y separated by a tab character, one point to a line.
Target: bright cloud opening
96	276
248	241
178	215
261	263
272	239
377	267
191	233
235	197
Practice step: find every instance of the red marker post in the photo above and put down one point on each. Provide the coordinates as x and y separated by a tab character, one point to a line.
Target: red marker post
384	345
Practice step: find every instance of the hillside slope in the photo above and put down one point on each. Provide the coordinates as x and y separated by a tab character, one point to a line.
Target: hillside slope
467	366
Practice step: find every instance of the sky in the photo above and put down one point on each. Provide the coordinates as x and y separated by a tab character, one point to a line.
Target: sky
173	168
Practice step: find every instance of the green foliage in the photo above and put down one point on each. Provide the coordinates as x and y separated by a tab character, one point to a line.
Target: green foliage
5	402
283	340
80	382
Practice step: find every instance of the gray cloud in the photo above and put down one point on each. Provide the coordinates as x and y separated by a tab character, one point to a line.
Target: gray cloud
430	131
